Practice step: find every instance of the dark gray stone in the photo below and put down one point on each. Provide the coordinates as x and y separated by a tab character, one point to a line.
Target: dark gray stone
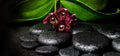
81	28
53	38
28	37
70	51
111	54
89	54
109	30
116	44
29	44
57	55
46	49
89	41
38	28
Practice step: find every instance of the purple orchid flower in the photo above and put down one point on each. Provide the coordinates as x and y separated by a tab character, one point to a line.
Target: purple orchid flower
61	19
51	18
62	12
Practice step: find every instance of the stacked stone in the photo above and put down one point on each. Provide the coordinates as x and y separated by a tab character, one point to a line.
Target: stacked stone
85	39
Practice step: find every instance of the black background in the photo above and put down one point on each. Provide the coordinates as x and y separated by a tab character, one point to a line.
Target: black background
8	12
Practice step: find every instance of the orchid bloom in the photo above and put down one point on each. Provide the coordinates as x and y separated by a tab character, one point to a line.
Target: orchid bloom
61	19
51	18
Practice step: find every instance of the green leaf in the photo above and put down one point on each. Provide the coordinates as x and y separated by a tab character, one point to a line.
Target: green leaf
35	9
83	12
94	4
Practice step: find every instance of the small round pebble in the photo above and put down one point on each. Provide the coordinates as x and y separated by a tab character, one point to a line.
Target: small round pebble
46	49
53	38
29	44
38	28
68	52
28	37
89	54
116	44
111	54
81	28
89	41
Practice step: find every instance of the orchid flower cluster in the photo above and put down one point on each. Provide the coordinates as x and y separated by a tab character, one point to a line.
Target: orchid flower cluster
61	20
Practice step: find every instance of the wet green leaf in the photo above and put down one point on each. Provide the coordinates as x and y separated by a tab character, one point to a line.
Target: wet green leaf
94	4
84	12
35	9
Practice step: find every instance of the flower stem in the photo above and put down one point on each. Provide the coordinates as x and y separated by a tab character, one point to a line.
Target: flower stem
55	5
60	4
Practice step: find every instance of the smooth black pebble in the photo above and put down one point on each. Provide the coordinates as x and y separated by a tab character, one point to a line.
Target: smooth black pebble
116	44
28	37
81	28
110	31
53	38
29	44
38	28
46	49
70	51
89	41
111	54
89	54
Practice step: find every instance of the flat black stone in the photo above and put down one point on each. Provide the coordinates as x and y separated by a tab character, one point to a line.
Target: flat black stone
68	52
29	53
89	41
22	31
81	28
57	55
28	37
111	54
29	44
111	31
53	38
38	28
116	44
46	49
89	54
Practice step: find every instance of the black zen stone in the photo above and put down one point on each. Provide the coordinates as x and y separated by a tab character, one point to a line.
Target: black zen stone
29	44
22	31
110	31
70	51
81	28
89	41
28	37
116	44
57	55
89	54
111	54
46	49
53	38
29	53
38	28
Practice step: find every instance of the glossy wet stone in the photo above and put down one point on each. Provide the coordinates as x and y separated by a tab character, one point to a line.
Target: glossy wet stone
22	31
116	44
111	31
80	27
111	54
29	44
28	37
53	38
89	41
46	49
29	53
38	28
70	51
89	54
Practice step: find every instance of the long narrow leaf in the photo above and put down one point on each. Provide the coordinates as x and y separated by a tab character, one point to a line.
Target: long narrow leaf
83	12
37	10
